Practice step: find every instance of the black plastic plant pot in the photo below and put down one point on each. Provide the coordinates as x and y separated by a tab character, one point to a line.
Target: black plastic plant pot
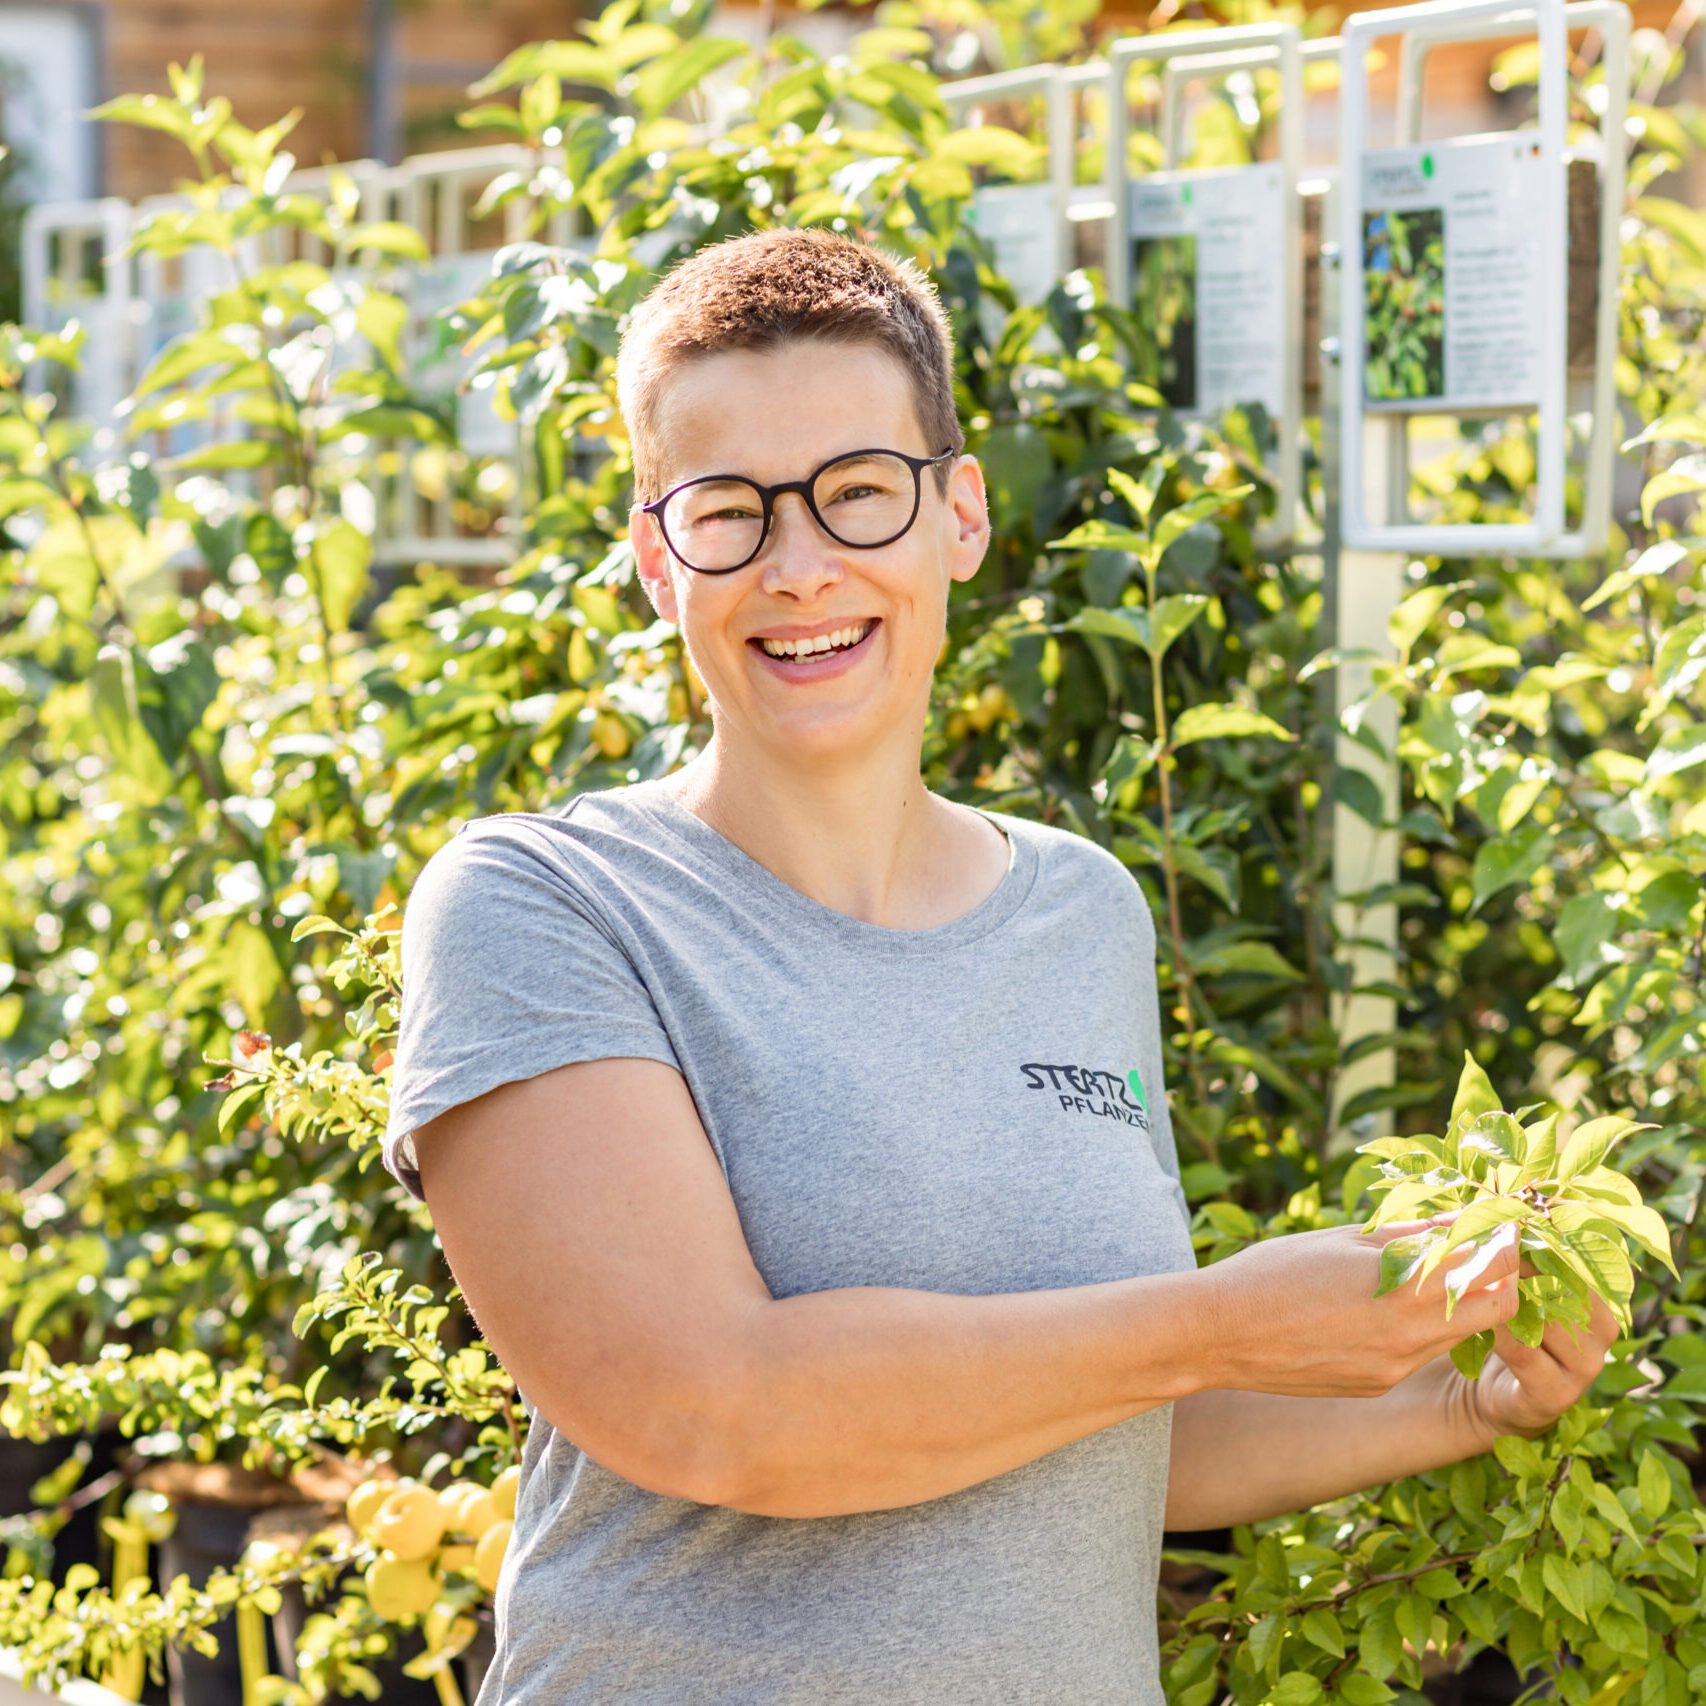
207	1537
23	1462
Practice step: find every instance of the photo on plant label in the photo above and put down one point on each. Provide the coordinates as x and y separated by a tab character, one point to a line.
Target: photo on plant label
1403	269
1164	299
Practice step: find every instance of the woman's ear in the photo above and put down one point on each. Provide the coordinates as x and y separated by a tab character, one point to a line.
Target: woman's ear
968	506
651	559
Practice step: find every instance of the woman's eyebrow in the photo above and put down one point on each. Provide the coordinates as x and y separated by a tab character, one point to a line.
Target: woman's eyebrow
863	452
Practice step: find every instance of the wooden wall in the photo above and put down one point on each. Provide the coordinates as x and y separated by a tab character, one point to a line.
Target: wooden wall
268	56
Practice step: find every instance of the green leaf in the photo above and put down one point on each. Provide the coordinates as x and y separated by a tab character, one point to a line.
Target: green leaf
1520	1457
1410	620
1256	959
1475	1095
153	111
382	319
1602	1262
114	698
1645	1225
316	924
1128	626
1612	1508
1683	478
1379	1648
1264	1640
1400	1258
1139	498
339	564
1528	1325
1652	1484
192	353
1170	617
1667	902
1360	1690
237	453
1005	151
1589	1142
1471	1356
1656	560
1679	750
1296	1688
666	79
1585	925
1220	722
1563	1581
1508	859
388	237
1102	536
1359	792
1322	1628
235	1101
573	61
1177	522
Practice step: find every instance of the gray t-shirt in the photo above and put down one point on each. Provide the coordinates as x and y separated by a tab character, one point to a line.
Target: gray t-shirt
971	1109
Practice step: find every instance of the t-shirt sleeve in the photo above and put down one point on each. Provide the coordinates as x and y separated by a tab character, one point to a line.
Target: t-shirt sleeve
509	969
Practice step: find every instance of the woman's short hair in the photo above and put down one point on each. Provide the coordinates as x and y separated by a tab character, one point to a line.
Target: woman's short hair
769	288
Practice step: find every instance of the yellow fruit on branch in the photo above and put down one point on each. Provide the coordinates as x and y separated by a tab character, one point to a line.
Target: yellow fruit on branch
610	735
505	1490
456	1560
453	1497
991	705
411	1522
400	1588
489	1554
478	1511
363	1504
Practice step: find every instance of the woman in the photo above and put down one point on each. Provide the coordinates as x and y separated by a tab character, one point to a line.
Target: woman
798	1136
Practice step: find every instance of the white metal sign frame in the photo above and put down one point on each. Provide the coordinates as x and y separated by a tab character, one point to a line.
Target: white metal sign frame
1611	19
1443	24
1254	43
1046	81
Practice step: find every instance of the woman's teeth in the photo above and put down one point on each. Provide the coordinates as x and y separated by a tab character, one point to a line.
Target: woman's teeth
820	643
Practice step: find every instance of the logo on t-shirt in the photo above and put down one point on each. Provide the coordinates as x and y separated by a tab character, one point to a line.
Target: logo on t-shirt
1084	1090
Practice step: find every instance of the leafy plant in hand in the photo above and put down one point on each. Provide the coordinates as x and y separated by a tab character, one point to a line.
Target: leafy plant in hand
1572	1212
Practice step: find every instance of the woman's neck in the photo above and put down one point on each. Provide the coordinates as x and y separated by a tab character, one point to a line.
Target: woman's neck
877	847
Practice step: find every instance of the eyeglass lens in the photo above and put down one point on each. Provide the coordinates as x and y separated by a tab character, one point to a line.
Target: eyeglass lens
863	500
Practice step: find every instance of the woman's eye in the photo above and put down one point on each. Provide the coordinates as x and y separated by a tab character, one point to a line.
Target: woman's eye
855	492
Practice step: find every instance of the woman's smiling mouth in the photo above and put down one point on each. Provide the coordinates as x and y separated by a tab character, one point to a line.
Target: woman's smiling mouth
819	665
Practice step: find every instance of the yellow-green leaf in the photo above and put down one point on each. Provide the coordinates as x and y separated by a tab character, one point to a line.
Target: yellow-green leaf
1219	722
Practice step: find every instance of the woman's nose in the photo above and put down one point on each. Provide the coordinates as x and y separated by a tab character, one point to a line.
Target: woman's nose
797	552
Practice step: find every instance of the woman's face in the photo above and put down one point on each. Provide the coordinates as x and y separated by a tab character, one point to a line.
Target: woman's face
777	415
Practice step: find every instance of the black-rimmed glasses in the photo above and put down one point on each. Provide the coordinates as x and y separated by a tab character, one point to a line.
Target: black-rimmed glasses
865	498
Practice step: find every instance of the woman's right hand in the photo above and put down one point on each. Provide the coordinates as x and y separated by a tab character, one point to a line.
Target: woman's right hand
1299	1314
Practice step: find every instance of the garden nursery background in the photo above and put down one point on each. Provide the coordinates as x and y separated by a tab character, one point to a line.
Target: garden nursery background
313	505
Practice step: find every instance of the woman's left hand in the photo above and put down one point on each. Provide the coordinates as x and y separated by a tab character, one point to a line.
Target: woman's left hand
1524	1390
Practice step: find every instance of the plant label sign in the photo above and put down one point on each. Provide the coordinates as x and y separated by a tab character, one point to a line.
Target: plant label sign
1020	221
434	287
1207	285
1452	287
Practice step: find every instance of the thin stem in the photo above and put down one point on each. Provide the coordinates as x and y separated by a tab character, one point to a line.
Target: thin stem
1175	916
